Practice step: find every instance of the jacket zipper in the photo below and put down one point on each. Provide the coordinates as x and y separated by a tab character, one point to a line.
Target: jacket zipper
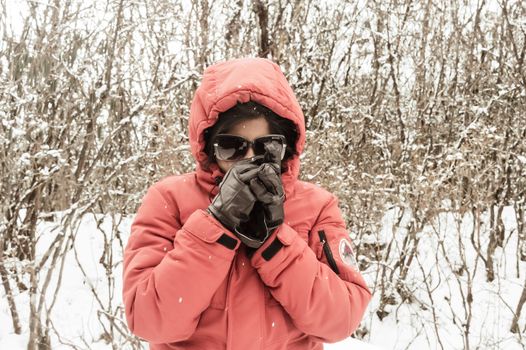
227	305
328	252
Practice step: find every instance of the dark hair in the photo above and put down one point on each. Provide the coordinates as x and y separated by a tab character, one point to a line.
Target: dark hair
246	111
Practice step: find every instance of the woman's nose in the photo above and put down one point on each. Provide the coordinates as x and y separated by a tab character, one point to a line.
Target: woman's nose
250	152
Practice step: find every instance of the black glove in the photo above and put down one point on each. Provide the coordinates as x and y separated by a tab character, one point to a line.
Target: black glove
267	213
253	232
268	189
234	202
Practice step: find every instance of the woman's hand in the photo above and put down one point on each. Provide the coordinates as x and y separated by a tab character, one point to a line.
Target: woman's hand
267	213
234	202
268	189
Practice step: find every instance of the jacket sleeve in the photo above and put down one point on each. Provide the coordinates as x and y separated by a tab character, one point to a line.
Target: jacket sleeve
325	297
171	272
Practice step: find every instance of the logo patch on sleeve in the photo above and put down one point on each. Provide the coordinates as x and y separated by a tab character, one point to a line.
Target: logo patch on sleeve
347	253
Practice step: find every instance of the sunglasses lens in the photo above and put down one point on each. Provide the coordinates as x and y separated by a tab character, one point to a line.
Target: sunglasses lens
233	148
230	147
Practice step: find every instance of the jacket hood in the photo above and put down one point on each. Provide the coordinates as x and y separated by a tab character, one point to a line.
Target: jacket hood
241	80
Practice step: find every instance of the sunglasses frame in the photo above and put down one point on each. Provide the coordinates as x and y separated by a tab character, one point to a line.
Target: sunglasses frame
250	144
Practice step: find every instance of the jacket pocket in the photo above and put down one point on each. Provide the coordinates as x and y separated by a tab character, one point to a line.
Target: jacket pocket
327	251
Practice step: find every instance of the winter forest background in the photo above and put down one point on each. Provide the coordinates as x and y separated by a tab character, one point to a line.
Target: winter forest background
416	118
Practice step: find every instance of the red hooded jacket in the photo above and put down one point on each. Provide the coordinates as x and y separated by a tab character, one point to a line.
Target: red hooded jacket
188	283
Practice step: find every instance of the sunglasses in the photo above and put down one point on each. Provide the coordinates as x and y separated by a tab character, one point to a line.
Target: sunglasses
234	148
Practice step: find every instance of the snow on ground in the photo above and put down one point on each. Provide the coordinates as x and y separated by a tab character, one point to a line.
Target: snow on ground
412	325
78	317
13	341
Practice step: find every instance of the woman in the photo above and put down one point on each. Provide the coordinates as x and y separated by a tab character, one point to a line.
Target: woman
240	254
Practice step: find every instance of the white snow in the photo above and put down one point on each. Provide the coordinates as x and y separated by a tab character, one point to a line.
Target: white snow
78	315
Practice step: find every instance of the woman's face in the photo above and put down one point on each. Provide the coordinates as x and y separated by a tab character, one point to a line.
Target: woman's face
250	130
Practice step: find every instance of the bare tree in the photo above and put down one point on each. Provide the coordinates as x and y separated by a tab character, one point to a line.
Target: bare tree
415	112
